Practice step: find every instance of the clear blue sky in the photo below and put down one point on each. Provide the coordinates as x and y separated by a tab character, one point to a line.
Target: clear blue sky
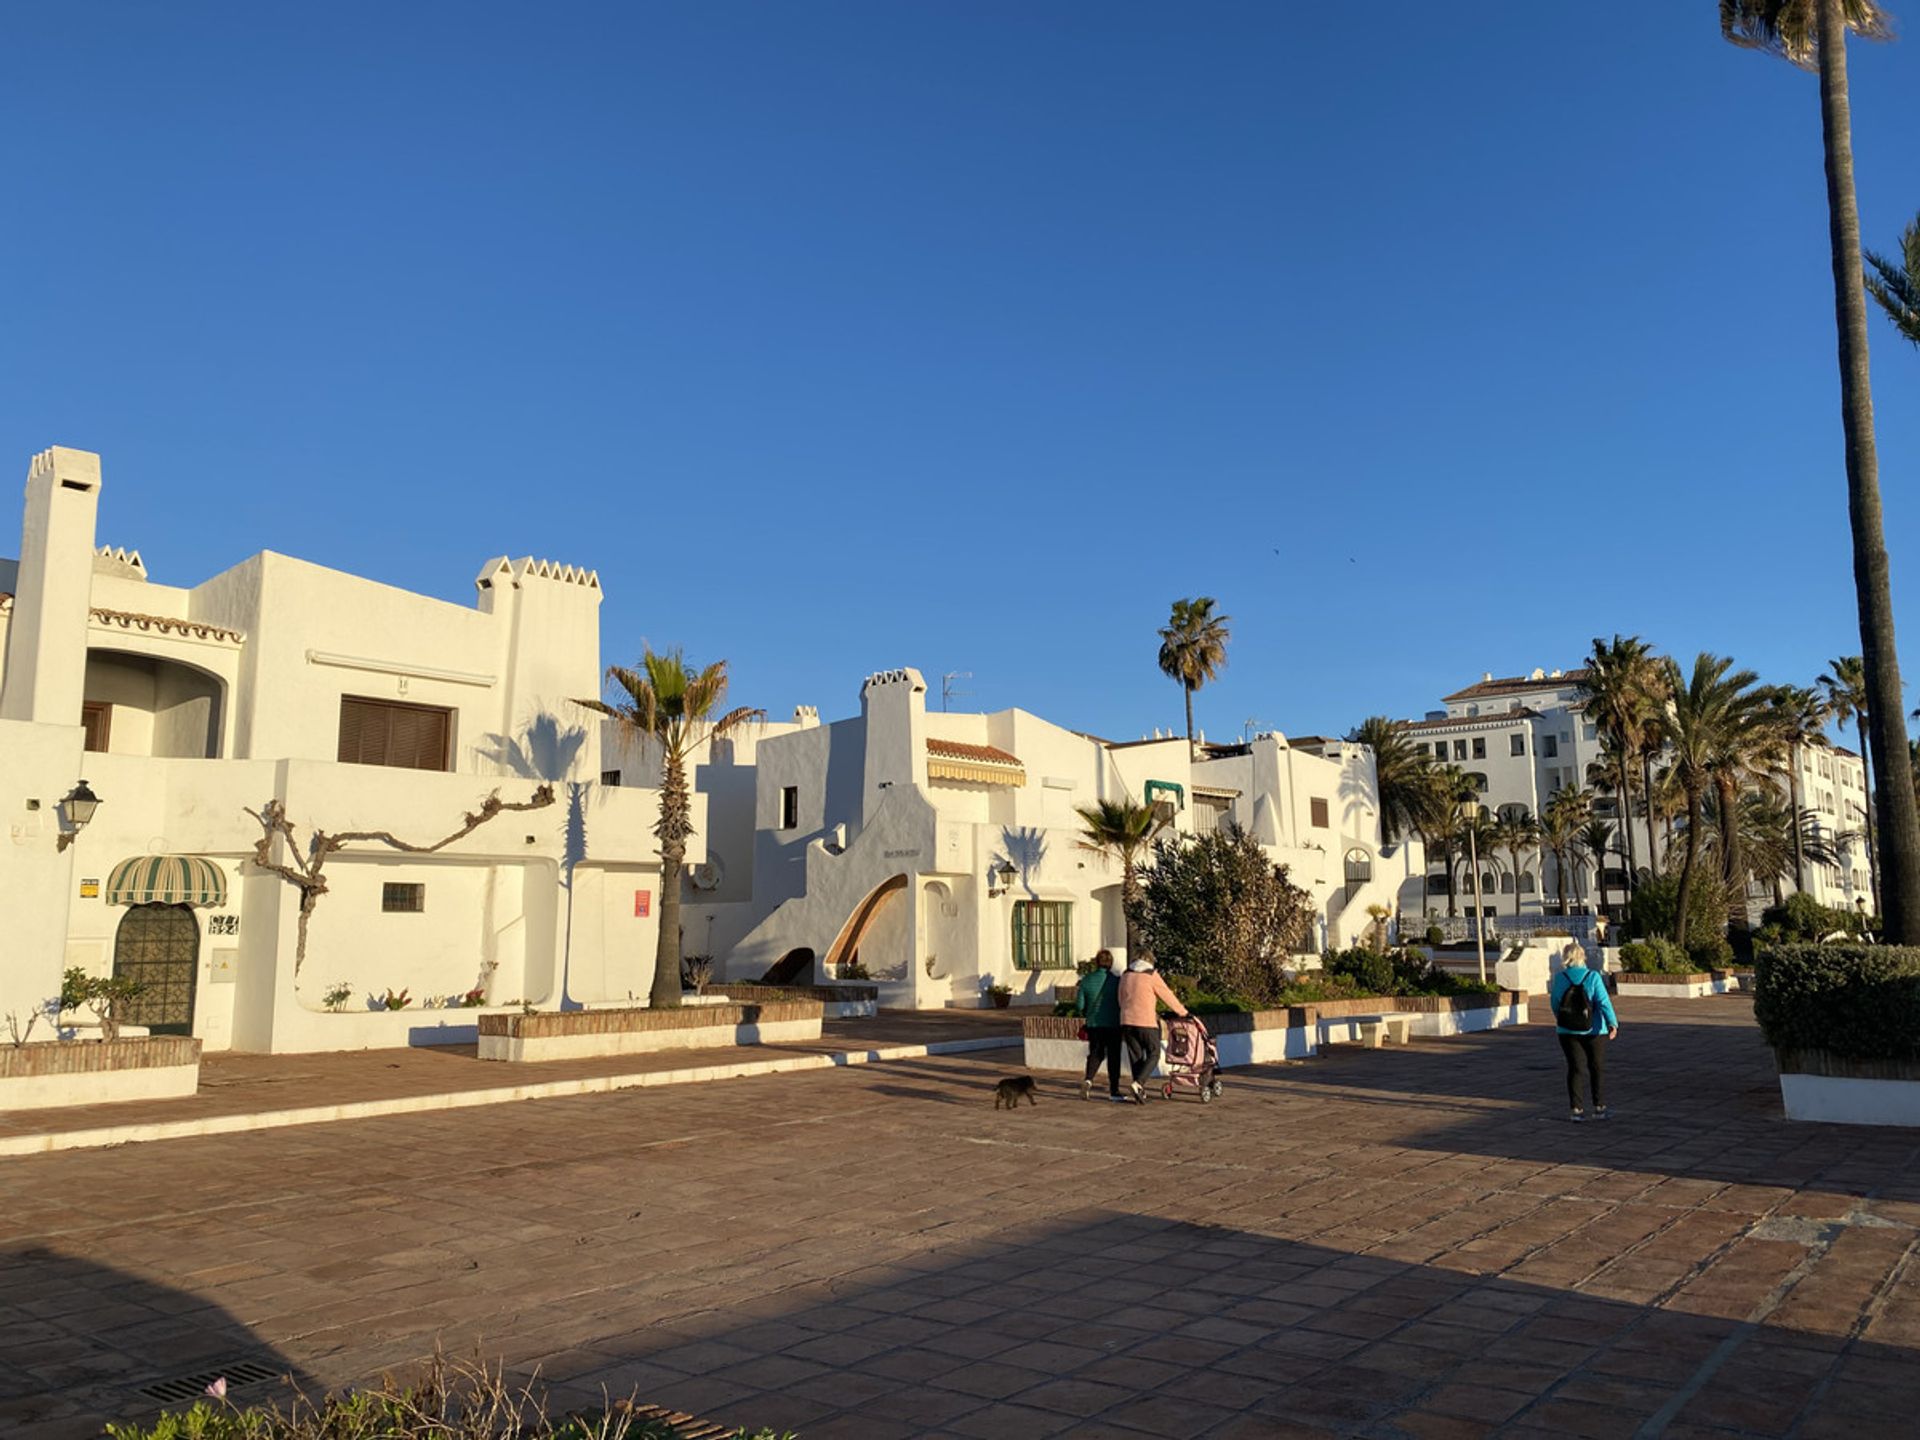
968	335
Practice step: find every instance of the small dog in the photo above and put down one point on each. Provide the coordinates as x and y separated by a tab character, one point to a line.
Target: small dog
1008	1092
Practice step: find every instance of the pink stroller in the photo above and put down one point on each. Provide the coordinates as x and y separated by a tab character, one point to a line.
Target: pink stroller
1193	1060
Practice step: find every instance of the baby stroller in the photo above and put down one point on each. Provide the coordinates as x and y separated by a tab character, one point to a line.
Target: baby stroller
1193	1060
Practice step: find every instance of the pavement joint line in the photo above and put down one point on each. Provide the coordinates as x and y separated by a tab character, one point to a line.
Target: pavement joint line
139	1132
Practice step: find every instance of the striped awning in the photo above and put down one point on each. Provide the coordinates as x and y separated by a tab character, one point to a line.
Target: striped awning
167	880
973	764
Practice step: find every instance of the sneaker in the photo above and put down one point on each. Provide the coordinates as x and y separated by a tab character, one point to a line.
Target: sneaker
1139	1093
1086	1089
1578	1117
1119	1099
1602	1113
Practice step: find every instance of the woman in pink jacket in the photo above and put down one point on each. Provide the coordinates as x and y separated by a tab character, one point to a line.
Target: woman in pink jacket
1142	991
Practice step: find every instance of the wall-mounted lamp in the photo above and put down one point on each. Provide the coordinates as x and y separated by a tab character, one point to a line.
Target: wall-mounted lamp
77	807
1000	877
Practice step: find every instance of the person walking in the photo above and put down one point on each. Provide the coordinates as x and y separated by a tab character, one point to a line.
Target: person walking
1096	1000
1142	992
1584	1019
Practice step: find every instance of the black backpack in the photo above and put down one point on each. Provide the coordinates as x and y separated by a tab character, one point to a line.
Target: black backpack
1575	1011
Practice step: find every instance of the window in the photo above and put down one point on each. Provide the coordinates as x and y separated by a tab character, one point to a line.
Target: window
97	717
789	807
1566	737
403	898
1459	749
1479	781
1590	732
1549	745
1211	813
1422	748
1043	935
390	732
1436	884
1517	743
1479	747
609	777
1317	810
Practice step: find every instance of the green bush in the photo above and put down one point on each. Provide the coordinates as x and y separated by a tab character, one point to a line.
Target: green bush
1435	935
1857	1001
1314	989
1656	904
1713	953
1804	918
1205	1002
1655	957
1370	972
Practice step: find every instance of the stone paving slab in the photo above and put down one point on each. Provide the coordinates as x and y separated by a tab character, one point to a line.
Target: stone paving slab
245	1092
1395	1243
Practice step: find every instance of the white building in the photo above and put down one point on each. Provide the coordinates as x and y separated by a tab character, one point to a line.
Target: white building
942	851
1523	738
358	706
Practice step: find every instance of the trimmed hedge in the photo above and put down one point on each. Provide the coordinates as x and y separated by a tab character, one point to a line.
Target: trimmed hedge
1861	1002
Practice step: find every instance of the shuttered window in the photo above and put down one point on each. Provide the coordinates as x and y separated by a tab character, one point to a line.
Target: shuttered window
386	732
1043	935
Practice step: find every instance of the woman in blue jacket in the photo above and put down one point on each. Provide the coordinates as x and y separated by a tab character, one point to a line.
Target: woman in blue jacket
1583	1018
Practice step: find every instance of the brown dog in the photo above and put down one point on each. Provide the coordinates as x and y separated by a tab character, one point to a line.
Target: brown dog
1010	1090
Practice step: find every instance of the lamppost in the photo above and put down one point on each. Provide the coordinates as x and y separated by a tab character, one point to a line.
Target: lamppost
77	805
1479	903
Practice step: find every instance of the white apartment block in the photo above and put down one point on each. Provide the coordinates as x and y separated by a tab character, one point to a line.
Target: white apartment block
1523	738
942	852
360	707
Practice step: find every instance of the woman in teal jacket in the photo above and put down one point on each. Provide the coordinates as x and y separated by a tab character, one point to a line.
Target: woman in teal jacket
1584	1020
1097	1001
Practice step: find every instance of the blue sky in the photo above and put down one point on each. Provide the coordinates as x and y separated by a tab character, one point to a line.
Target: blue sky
968	335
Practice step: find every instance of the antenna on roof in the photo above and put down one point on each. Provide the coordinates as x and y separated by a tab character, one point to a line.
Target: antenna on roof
947	690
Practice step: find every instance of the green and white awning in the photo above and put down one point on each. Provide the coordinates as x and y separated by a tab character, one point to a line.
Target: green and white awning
167	880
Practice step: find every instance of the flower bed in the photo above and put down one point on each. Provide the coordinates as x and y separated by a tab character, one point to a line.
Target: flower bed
841	1002
1844	1024
83	1072
1290	1032
576	1034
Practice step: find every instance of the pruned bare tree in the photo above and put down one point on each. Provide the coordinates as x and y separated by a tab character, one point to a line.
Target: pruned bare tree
305	864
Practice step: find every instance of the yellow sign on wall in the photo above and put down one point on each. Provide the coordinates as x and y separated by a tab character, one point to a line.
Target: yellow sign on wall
89	889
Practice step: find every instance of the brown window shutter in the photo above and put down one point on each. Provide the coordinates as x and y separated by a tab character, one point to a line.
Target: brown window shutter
386	732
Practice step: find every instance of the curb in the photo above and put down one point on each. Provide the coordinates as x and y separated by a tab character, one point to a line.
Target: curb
130	1134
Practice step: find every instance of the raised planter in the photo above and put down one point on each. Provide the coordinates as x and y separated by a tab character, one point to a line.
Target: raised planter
89	1072
1261	1037
1815	1085
839	1002
579	1034
1682	986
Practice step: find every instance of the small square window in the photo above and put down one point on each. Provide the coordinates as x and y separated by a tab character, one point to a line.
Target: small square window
789	807
609	777
403	898
1479	747
1517	743
1318	810
1549	745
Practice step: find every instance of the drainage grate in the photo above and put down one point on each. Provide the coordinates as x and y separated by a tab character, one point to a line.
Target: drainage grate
239	1374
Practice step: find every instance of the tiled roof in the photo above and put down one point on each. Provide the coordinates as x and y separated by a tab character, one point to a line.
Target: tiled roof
1513	684
1497	717
979	754
166	625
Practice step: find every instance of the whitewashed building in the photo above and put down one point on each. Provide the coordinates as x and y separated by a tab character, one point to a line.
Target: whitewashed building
359	707
941	852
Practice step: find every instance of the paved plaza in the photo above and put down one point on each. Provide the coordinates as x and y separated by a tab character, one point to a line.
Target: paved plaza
1402	1243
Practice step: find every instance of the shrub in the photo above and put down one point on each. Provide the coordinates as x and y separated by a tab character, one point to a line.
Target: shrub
1655	957
1315	989
1805	918
1205	1002
1215	908
1713	953
1435	935
1371	972
1656	904
1857	1001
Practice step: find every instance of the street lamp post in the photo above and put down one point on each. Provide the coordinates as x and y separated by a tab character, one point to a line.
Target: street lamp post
1479	902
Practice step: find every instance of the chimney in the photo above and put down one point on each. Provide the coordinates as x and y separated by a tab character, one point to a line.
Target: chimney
46	672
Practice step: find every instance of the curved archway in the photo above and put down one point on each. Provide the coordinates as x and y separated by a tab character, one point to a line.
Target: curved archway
846	945
793	968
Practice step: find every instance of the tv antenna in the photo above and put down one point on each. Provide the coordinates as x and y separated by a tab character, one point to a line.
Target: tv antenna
947	690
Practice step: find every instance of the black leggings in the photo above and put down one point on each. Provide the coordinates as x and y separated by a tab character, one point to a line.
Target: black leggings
1143	1049
1103	1048
1586	1057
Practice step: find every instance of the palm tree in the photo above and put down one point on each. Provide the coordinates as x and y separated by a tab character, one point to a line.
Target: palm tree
1451	795
1813	35
1750	750
1561	821
1401	775
1706	708
1622	689
1845	684
1517	833
1896	284
1594	841
1122	829
1193	648
1802	716
671	705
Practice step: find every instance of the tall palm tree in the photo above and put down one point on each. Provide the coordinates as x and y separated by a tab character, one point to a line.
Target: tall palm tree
1706	708
1401	775
671	705
1193	648
1122	830
1802	716
1594	841
1561	821
1813	35
1517	833
1451	798
1845	685
1896	283
1622	689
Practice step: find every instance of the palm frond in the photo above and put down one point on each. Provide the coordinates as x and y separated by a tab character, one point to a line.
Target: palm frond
1790	30
1896	284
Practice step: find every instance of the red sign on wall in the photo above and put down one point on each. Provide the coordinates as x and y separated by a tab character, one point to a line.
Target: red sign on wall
642	904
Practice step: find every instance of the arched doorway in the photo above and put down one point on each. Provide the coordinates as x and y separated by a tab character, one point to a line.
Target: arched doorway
159	946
